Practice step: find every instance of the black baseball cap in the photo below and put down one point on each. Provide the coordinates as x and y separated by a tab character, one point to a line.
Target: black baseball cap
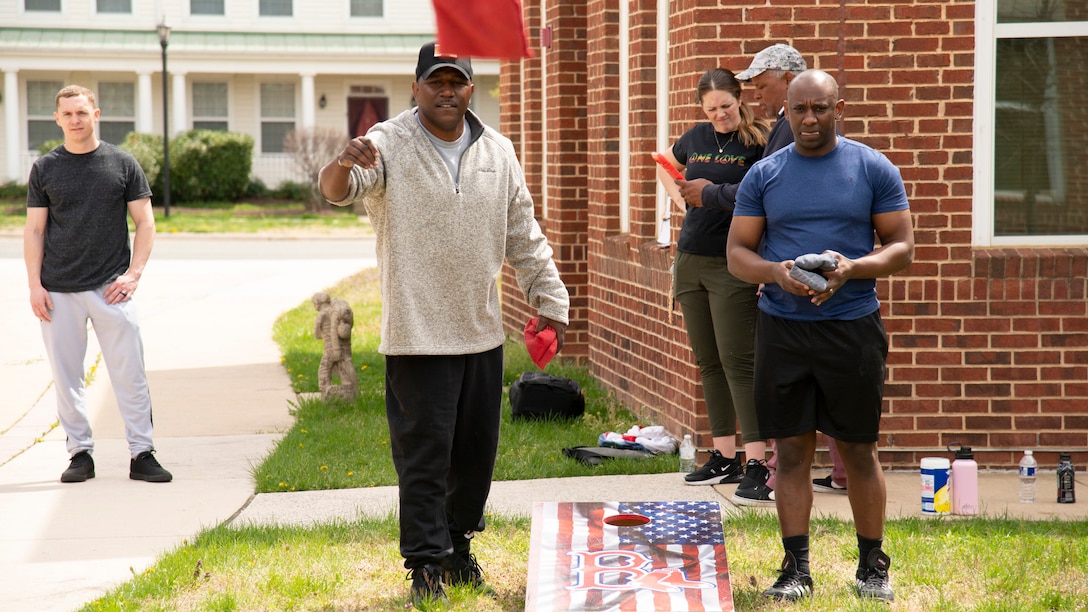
431	59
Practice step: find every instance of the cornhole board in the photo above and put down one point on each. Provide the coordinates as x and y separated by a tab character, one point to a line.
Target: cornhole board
628	556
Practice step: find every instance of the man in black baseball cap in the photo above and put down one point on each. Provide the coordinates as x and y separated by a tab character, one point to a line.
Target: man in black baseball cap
431	58
448	201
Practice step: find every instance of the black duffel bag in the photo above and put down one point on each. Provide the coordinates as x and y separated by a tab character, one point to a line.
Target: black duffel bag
539	395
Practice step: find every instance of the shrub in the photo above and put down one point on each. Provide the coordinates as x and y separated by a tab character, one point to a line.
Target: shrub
147	149
256	188
49	145
210	165
12	191
292	190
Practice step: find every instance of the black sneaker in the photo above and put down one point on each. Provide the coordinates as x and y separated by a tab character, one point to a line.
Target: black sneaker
872	580
827	485
80	469
753	490
717	470
791	584
462	569
426	585
146	467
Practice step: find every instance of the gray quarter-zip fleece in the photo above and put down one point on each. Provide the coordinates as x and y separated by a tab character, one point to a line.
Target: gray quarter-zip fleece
441	246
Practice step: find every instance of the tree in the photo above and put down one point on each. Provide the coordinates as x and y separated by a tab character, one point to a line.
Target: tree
311	148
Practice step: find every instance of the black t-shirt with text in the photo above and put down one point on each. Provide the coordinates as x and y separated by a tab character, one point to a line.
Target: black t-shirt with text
706	228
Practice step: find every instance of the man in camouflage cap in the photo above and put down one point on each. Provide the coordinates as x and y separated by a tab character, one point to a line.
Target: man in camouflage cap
770	73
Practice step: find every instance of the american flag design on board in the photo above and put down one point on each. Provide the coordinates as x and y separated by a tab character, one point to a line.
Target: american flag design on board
676	561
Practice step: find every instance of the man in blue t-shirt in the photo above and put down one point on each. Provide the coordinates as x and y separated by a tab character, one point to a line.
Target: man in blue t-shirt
821	352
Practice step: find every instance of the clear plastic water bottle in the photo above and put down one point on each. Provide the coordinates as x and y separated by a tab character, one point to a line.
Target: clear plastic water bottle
1027	478
687	455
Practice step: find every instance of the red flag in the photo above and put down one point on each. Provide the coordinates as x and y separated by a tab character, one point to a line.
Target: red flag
482	28
674	559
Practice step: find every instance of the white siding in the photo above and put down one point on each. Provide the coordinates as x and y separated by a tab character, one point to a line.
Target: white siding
334	71
315	16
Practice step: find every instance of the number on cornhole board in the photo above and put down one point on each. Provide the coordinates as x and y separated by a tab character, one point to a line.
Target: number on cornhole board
628	556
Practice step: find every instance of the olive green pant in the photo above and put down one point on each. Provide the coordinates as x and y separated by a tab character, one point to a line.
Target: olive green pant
720	316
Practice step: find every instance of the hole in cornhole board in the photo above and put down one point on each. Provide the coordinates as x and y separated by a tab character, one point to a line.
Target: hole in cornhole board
627	520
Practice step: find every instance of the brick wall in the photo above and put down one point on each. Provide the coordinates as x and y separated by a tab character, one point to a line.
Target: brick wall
555	78
988	346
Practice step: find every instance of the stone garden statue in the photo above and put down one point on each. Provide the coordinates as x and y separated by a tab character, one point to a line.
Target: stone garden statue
333	325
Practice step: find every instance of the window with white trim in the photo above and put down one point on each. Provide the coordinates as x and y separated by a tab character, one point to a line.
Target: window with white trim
118	117
41	103
209	106
367	8
277	115
206	7
275	8
114	6
43	5
1033	182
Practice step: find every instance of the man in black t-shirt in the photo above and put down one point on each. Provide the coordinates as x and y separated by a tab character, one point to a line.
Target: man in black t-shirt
80	268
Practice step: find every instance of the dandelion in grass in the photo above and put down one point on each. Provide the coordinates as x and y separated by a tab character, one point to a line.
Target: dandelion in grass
283	485
324	467
304	431
351	473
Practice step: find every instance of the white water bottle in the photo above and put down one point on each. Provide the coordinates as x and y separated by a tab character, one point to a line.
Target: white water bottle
687	455
1027	478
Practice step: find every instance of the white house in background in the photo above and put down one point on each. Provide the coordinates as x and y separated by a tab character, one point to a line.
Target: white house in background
260	67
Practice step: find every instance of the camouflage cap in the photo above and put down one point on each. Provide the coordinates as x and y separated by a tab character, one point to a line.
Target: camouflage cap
776	57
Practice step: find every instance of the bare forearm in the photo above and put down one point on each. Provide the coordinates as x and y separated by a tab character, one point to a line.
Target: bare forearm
33	255
142	243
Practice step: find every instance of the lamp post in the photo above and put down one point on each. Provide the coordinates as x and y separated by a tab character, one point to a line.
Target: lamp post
164	39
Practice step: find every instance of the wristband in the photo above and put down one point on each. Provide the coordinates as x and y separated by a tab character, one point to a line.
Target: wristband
340	162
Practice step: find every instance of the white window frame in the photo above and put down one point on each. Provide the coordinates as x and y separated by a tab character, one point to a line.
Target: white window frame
31	116
262	119
209	118
110	116
225	13
987	32
381	16
24	9
98	11
290	5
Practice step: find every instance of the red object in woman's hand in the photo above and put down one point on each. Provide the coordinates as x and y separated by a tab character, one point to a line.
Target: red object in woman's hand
664	163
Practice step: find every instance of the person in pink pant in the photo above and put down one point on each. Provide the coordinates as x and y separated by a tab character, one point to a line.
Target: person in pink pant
835	482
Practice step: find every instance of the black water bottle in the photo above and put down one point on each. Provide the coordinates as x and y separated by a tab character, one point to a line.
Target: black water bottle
1066	495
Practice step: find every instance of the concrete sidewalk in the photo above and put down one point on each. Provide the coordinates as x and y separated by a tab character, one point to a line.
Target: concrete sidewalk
997	496
222	399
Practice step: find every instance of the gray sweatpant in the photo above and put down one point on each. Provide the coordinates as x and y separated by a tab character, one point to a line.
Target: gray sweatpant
118	334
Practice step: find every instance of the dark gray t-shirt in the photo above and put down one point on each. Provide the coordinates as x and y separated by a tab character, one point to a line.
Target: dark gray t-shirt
86	236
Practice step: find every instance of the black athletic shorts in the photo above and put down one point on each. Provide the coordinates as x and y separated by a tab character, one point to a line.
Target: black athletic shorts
820	375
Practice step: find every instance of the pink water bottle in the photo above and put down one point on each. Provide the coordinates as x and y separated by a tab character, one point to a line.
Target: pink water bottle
964	480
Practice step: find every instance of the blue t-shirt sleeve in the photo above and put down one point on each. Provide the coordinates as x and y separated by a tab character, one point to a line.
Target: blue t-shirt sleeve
749	201
889	194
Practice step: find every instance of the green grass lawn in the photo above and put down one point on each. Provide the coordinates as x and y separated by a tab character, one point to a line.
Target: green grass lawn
976	564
